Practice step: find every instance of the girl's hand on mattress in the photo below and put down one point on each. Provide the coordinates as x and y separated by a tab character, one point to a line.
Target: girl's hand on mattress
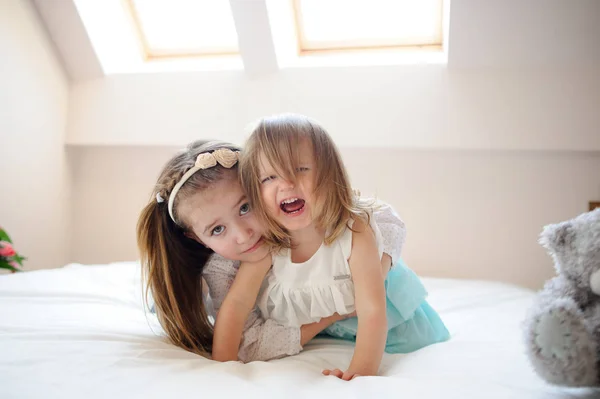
346	376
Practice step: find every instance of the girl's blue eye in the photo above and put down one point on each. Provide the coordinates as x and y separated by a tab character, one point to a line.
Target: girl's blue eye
266	179
244	209
302	169
217	230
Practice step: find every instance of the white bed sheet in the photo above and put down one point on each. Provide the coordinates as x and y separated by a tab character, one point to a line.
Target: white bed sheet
80	332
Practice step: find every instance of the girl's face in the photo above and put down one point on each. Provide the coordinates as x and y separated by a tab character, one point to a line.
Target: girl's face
290	205
221	219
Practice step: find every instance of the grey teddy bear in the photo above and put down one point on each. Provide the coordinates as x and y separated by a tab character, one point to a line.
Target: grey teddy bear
562	328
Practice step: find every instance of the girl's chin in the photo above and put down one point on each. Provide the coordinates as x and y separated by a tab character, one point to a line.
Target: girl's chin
256	255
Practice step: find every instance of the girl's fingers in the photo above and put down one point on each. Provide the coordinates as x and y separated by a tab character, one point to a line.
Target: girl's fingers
335	372
347	376
338	373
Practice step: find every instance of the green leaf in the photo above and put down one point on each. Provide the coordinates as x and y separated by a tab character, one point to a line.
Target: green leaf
4	236
4	265
19	259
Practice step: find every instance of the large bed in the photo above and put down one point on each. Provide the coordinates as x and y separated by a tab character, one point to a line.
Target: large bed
81	331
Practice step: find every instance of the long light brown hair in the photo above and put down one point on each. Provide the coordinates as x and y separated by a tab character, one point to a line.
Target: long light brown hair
277	139
172	263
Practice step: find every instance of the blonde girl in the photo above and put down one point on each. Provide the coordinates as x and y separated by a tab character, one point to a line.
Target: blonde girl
326	253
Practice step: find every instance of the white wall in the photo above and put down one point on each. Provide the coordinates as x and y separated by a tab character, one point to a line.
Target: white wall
524	33
35	187
418	106
478	214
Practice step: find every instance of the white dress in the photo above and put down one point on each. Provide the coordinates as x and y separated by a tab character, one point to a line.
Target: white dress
294	294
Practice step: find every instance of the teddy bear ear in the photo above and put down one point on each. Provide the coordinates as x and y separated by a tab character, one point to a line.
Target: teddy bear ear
557	236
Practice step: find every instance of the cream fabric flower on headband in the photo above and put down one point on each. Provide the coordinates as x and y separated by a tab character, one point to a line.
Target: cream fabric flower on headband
224	156
205	161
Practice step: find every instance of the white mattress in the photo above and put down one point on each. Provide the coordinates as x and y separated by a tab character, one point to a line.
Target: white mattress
80	332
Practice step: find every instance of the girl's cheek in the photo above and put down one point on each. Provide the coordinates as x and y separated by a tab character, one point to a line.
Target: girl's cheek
267	197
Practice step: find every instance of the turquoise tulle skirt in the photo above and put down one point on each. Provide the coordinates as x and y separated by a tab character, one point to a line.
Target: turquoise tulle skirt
412	322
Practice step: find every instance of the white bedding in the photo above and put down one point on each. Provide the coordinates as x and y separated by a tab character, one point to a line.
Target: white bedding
80	332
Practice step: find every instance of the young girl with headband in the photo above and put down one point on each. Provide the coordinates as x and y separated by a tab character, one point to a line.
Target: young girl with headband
326	253
199	225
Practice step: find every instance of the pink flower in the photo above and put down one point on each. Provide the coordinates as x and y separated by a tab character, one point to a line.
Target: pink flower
6	249
14	264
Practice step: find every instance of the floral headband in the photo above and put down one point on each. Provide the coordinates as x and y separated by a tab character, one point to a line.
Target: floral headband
223	156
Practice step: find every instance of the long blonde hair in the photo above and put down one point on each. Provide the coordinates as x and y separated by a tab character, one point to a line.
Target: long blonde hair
172	263
277	139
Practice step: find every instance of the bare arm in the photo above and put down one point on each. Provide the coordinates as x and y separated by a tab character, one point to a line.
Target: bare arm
236	307
370	303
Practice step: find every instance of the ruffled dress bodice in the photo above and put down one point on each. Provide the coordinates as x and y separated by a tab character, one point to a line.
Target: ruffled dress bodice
295	294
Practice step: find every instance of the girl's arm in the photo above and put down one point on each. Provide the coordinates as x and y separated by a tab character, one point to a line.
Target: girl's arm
266	339
236	307
370	303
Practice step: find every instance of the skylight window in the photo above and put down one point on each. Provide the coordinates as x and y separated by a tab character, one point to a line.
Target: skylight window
184	28
133	36
325	25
